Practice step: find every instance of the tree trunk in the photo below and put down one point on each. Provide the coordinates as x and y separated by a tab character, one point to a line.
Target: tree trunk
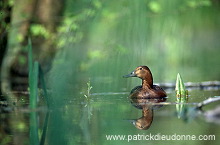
14	71
20	21
5	17
49	15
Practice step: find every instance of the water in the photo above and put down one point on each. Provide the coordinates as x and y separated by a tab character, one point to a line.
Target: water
80	121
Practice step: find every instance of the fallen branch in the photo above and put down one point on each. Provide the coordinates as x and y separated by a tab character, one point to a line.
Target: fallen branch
207	101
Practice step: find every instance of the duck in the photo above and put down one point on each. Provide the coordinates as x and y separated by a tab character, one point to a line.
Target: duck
147	89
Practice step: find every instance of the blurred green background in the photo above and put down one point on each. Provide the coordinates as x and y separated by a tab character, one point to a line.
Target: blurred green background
102	40
110	40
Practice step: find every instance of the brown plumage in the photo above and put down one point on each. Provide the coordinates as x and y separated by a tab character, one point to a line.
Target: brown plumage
147	89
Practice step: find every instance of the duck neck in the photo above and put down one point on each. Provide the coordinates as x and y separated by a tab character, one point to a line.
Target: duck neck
147	84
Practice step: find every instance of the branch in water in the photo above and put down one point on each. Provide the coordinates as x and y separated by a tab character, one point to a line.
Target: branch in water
207	101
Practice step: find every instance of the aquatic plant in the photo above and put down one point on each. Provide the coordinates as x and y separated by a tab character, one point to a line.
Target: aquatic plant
180	89
89	88
181	97
88	106
35	76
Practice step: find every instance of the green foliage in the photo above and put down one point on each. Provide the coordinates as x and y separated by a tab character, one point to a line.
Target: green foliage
196	3
5	7
19	38
154	6
96	54
72	29
22	59
70	24
11	2
39	30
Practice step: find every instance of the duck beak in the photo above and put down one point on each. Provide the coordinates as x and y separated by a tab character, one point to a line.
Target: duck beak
133	121
132	74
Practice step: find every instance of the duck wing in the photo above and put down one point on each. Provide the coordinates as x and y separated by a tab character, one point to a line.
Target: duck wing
135	89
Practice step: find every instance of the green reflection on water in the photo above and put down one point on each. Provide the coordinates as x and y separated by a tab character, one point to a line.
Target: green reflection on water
77	123
74	121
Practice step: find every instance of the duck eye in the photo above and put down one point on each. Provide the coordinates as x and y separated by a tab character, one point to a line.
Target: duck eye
140	68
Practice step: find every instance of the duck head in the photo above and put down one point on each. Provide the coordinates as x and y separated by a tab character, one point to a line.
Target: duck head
142	72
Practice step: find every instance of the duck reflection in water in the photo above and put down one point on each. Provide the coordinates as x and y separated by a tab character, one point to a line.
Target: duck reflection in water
147	106
144	96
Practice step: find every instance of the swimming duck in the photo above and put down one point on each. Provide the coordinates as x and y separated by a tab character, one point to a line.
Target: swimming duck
147	89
